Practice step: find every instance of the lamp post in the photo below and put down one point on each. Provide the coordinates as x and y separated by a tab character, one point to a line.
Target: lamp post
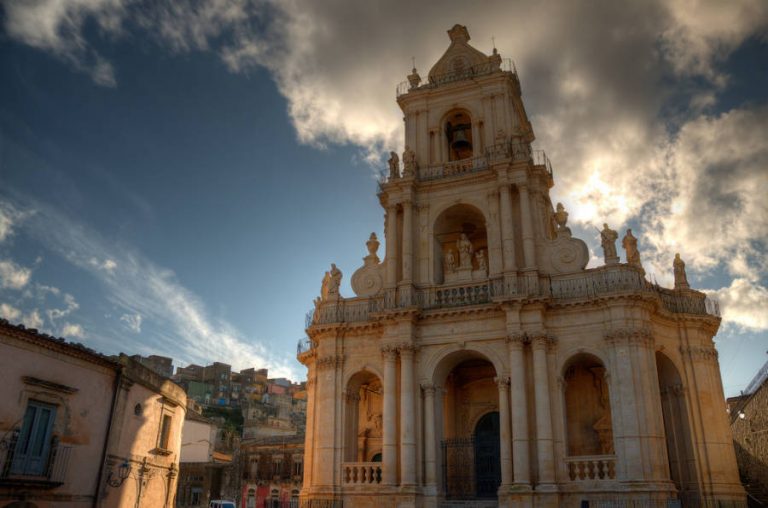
123	471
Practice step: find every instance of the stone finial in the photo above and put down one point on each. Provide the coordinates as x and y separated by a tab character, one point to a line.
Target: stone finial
608	239
373	246
629	242
681	279
459	33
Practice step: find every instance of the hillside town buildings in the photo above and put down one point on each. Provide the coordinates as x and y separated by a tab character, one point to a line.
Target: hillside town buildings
82	429
481	361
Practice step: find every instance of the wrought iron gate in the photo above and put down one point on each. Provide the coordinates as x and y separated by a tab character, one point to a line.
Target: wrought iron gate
472	466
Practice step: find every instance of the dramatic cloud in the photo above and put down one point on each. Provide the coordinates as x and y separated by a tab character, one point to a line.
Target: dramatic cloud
9	312
33	319
744	305
72	331
12	275
132	321
143	292
598	82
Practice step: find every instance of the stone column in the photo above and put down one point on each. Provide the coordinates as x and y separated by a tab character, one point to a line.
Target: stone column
507	230
430	450
407	242
504	434
529	246
544	443
407	417
389	447
520	457
391	233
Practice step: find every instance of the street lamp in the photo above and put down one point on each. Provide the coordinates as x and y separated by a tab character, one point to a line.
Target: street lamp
122	473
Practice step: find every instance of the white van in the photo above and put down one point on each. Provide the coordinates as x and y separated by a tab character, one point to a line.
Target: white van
222	504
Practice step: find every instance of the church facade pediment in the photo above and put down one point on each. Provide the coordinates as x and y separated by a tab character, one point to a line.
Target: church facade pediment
459	58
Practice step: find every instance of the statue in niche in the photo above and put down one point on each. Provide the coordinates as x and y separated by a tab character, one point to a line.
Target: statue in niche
394	166
331	283
450	262
604	433
608	239
482	264
629	242
681	279
409	162
464	247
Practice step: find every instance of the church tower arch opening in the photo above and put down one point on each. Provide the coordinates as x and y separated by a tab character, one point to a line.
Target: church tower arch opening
458	128
460	245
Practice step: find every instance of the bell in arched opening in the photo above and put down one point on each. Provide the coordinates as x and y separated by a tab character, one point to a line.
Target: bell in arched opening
458	130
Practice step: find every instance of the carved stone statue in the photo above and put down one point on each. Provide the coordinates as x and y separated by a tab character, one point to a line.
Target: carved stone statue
608	239
561	219
331	283
394	166
482	264
681	279
450	262
629	242
409	162
464	247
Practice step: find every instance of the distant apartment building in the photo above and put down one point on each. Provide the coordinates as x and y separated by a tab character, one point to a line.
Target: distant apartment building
204	472
82	429
749	424
272	471
160	364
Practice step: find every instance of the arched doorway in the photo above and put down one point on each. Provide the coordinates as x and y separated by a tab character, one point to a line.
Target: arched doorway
470	446
674	408
487	457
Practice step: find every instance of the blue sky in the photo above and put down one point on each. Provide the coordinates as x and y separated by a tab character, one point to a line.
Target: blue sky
175	177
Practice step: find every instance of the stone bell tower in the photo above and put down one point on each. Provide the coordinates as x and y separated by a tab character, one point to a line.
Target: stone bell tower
480	362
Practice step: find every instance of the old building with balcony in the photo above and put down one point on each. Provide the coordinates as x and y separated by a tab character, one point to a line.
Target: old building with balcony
81	429
272	469
481	361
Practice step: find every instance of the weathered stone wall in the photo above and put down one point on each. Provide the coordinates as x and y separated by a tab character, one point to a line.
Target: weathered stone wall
750	438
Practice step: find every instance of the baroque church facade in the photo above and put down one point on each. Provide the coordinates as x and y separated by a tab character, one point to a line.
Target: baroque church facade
480	363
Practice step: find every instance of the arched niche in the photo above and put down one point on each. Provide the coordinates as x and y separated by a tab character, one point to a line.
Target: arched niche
589	425
677	429
363	417
457	128
460	244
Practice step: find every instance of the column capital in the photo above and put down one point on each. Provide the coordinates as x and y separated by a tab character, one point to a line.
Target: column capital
407	349
517	340
542	340
389	352
429	388
330	362
502	382
630	335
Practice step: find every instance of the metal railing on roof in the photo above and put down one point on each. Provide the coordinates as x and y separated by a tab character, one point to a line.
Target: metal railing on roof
475	71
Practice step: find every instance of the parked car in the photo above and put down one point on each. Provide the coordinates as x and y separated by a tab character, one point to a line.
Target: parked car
218	503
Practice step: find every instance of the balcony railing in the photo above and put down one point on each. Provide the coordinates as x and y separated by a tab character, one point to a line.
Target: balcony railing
52	473
453	168
476	71
591	467
617	280
361	473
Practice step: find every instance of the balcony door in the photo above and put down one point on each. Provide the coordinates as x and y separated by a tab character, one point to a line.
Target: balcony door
30	456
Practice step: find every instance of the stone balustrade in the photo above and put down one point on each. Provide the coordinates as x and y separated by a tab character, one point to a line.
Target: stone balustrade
361	473
617	280
591	467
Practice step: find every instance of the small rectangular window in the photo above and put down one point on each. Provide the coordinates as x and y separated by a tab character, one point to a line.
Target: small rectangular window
165	432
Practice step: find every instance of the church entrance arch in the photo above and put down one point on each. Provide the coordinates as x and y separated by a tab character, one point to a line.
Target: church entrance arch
469	434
